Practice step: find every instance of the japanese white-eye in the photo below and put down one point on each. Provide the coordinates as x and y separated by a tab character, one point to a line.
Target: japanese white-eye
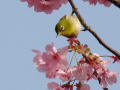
68	26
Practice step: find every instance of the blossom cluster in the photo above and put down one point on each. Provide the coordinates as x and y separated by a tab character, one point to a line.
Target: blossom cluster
104	2
48	6
55	64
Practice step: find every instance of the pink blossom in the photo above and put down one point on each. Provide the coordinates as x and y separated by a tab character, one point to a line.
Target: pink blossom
94	2
104	63
103	82
39	62
103	72
51	61
105	75
105	2
100	70
108	78
116	59
46	6
54	86
65	75
82	72
111	77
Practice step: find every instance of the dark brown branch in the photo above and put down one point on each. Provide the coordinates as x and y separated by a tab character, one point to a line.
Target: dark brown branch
95	72
115	2
87	28
105	88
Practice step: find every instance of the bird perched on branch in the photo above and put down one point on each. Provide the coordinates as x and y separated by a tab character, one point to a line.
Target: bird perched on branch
68	26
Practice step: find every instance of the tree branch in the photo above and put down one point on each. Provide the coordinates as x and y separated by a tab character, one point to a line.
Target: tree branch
105	88
87	28
115	2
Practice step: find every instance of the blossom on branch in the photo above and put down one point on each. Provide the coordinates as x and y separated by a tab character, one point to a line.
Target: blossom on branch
102	73
108	78
94	2
82	72
46	6
54	63
65	75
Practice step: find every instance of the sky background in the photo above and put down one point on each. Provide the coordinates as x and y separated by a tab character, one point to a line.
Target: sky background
22	29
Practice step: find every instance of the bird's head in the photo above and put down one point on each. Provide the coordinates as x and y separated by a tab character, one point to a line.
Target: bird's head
68	26
63	27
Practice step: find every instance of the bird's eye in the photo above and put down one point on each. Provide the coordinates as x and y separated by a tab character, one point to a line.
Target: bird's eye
62	28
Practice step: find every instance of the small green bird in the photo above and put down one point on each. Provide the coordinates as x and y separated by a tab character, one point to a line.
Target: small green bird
68	26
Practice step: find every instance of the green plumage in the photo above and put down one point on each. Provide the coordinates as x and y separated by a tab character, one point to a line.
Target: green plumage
68	26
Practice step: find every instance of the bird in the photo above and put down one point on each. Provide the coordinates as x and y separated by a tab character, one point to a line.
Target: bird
68	26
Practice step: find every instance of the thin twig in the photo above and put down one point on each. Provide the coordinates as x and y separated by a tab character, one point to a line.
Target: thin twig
87	28
71	59
76	58
105	56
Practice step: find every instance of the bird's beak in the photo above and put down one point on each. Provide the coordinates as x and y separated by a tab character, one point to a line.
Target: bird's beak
58	34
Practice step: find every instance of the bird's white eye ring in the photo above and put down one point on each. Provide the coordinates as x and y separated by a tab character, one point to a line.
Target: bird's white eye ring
62	28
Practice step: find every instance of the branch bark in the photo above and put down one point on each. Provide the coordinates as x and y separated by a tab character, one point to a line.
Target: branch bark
87	28
115	2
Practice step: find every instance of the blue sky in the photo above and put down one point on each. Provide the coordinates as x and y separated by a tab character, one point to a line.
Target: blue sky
22	29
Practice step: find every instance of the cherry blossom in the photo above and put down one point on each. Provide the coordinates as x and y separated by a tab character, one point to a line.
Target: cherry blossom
103	73
51	61
104	2
108	78
116	59
111	77
82	72
65	75
46	6
91	66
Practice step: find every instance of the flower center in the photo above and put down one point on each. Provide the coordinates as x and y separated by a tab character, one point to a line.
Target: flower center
56	56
